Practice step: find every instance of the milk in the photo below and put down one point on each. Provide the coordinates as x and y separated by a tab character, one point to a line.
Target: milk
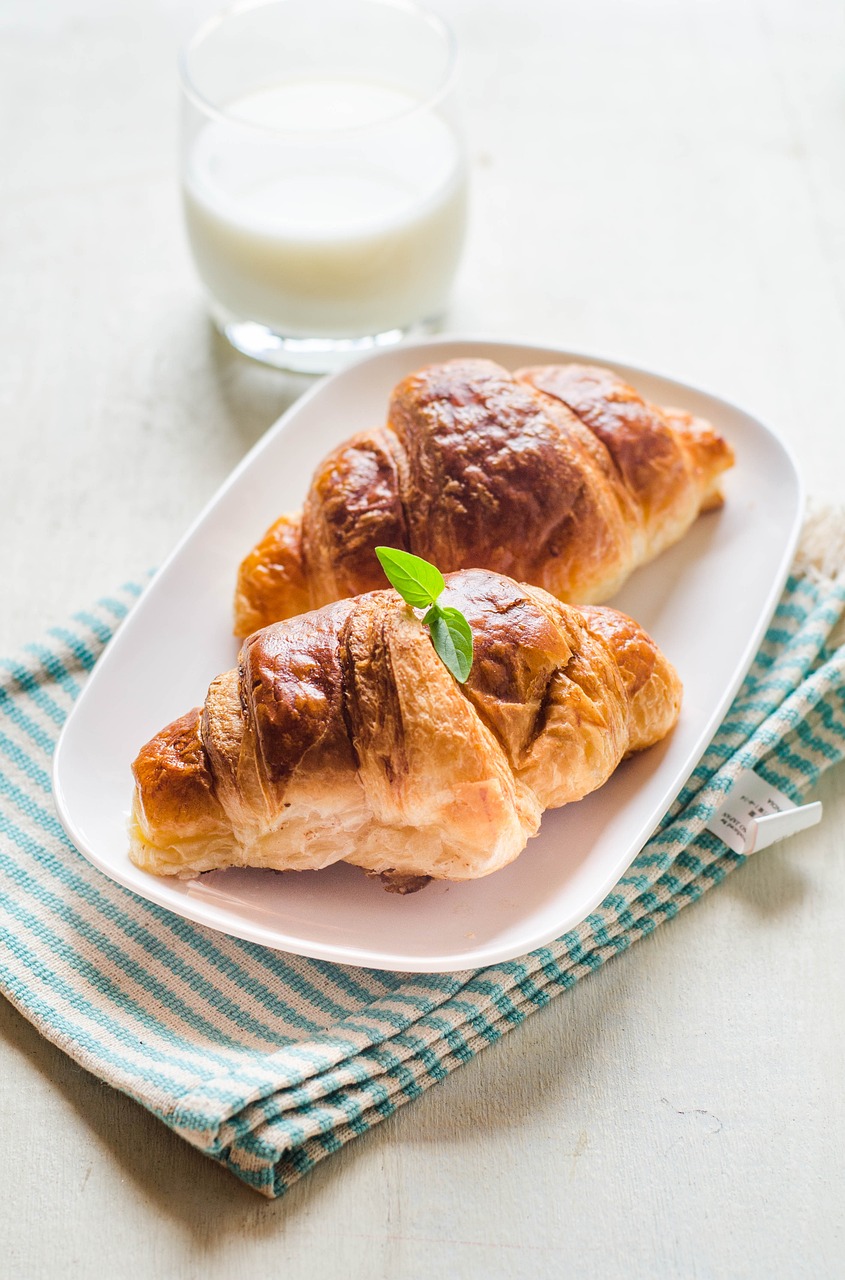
348	223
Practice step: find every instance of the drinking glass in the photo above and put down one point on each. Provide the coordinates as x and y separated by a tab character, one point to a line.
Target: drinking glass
323	175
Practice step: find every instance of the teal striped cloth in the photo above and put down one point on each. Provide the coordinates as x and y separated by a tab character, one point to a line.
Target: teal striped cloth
267	1062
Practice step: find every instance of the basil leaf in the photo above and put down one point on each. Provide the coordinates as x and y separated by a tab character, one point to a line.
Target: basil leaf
417	581
452	639
419	584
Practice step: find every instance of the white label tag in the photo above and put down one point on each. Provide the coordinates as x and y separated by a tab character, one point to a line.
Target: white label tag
750	798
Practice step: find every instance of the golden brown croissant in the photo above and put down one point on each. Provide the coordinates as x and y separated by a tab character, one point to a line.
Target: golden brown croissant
342	735
562	476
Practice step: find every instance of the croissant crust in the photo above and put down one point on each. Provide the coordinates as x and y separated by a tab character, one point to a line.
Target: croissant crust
341	735
561	475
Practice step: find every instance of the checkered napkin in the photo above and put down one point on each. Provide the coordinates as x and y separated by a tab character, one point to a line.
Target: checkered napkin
267	1062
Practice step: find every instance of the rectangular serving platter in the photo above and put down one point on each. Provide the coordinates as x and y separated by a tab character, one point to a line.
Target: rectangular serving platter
707	601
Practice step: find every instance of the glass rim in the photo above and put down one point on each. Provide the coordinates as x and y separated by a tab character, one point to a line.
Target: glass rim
217	20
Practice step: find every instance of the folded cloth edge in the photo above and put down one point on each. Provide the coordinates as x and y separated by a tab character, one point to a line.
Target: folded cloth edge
306	1104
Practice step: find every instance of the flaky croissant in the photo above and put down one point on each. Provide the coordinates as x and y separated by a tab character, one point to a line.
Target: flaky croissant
342	735
561	475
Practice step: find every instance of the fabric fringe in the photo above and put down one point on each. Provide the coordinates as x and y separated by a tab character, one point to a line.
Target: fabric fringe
821	553
821	548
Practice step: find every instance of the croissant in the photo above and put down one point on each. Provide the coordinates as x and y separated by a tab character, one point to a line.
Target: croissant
560	475
342	735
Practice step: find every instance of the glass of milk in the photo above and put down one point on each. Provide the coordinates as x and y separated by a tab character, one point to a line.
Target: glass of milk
324	175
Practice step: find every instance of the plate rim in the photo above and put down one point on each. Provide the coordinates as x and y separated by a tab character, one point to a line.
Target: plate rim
490	953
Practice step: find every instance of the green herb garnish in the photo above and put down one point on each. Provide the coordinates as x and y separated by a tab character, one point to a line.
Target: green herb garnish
420	584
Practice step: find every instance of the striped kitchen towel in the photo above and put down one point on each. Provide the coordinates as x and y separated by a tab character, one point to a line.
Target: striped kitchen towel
268	1062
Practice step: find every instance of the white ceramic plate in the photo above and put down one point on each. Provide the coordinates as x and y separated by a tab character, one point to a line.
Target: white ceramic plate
706	601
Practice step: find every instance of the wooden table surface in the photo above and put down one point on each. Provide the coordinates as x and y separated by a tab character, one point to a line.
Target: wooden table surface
660	182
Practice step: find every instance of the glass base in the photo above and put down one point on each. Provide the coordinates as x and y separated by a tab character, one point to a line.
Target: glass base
310	355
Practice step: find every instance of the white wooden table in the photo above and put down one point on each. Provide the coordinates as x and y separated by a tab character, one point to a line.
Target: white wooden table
659	182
